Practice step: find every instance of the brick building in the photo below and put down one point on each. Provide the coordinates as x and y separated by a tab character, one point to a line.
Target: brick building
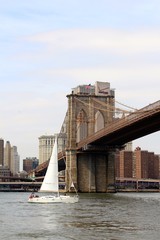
30	164
137	164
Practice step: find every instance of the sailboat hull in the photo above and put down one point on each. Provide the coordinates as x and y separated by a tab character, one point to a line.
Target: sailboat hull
54	199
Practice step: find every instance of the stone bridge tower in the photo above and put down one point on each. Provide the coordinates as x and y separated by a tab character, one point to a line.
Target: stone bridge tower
90	108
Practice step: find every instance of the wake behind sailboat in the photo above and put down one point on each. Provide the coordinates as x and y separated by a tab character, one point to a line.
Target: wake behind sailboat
50	184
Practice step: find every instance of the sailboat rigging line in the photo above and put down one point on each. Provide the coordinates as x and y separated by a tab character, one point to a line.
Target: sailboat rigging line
72	184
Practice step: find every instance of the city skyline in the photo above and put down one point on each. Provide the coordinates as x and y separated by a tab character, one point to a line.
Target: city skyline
49	48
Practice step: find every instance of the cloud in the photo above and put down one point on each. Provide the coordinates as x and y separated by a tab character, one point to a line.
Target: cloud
45	67
102	54
115	41
128	59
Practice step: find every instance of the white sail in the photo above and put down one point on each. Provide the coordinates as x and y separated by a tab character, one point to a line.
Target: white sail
50	182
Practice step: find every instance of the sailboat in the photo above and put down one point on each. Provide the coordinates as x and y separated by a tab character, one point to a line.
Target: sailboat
51	184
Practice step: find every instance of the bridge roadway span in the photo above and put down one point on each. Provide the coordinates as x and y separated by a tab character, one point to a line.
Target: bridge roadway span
137	124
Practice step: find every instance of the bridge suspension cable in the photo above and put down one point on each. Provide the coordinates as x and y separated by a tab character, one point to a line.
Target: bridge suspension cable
127	106
108	109
112	108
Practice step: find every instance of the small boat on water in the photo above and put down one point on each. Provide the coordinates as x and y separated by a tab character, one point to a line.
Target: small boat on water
50	184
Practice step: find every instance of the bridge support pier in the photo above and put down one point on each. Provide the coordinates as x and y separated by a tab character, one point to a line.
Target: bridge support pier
111	172
96	172
71	170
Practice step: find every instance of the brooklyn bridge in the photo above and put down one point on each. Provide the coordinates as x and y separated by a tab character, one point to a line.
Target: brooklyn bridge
94	133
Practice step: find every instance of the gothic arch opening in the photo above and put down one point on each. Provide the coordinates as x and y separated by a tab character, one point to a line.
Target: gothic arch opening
99	121
81	125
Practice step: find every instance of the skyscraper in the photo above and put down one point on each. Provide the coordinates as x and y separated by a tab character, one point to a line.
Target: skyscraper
7	155
1	152
46	143
11	158
15	161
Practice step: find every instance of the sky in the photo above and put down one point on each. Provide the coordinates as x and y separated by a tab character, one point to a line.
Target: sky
49	47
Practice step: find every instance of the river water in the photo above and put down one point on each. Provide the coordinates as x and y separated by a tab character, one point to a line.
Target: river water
120	216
